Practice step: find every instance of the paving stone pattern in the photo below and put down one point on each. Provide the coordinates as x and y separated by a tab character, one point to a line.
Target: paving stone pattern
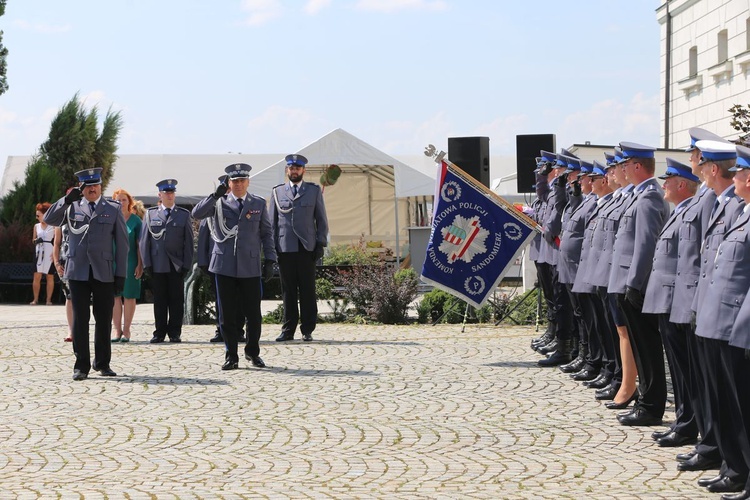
362	412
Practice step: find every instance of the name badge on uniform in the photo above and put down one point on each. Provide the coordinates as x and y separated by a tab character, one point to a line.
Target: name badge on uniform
79	217
156	222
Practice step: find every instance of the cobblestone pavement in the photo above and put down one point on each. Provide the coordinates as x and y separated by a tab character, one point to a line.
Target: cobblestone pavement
362	412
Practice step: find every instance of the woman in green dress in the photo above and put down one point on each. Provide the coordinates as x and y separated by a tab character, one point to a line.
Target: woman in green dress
124	309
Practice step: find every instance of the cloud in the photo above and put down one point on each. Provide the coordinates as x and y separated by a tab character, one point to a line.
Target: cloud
611	121
389	6
49	29
314	6
261	11
279	128
502	132
407	137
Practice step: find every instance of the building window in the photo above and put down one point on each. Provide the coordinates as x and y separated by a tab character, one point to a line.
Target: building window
693	62
747	34
723	44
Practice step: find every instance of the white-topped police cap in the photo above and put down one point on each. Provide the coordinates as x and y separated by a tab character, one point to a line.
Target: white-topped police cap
598	170
90	176
238	171
619	158
743	159
678	169
296	159
716	150
167	185
635	150
701	134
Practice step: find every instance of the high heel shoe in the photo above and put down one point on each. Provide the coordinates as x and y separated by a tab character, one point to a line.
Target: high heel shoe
124	339
116	339
611	405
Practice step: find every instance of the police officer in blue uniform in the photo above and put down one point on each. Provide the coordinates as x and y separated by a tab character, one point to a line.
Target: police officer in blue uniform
300	228
717	326
544	176
243	251
680	185
167	252
633	252
95	267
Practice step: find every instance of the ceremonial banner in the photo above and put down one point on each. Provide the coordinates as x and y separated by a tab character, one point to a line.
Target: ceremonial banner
475	237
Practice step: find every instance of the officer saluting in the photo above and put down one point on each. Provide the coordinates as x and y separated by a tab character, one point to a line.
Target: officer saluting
167	252
241	228
98	248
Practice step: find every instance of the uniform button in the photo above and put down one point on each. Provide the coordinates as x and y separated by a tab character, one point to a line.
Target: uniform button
678	273
704	275
712	282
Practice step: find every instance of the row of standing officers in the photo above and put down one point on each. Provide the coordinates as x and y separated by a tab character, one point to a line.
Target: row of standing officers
627	281
243	239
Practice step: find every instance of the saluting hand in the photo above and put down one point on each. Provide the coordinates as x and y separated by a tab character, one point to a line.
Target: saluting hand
73	196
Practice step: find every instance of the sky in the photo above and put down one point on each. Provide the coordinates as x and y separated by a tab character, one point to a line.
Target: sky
271	76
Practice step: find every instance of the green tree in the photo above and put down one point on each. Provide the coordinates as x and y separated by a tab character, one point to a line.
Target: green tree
40	184
3	56
74	144
74	141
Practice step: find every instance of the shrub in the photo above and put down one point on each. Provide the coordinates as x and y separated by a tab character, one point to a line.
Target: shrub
274	317
15	243
525	314
440	305
344	255
376	293
204	302
323	289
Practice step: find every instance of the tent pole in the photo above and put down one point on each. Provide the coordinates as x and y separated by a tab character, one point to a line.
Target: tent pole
398	247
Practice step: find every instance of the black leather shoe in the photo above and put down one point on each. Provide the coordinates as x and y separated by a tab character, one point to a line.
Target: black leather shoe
284	337
657	435
726	485
611	405
710	480
217	338
585	375
106	372
742	495
156	340
639	417
557	358
574	366
674	439
80	375
699	462
307	337
599	382
175	340
230	365
549	348
256	361
607	394
682	457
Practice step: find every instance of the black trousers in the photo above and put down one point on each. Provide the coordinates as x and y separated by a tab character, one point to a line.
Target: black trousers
238	299
169	304
738	374
82	295
698	390
544	276
589	305
297	271
725	412
645	340
676	350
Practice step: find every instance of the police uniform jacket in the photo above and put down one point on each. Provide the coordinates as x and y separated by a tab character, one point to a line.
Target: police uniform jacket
552	223
727	287
571	239
167	243
713	235
694	219
635	242
93	247
299	220
205	245
660	289
238	256
538	207
589	258
603	240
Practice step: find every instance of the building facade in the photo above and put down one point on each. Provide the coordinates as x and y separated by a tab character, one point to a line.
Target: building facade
705	66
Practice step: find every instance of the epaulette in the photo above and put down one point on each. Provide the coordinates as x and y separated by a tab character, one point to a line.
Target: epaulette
113	202
181	208
255	196
278	185
156	207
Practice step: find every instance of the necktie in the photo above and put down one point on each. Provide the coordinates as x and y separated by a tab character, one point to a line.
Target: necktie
239	203
169	212
716	207
92	207
294	190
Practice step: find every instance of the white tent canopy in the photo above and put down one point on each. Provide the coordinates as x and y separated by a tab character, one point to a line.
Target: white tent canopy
376	197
